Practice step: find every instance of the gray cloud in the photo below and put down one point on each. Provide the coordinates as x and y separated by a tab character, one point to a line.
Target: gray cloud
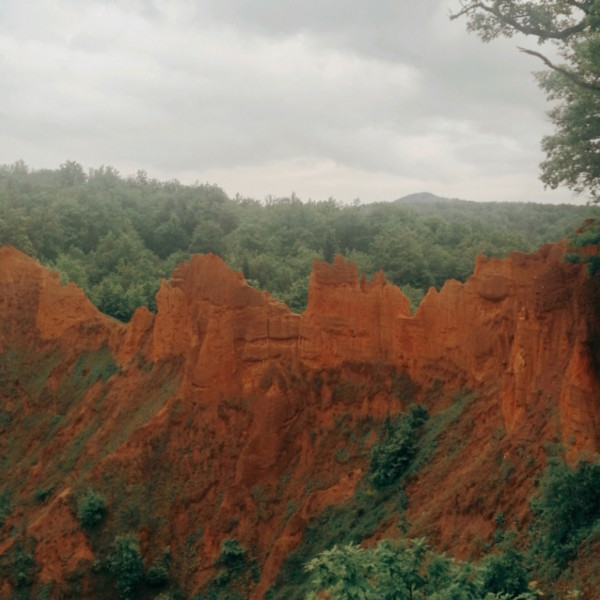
325	97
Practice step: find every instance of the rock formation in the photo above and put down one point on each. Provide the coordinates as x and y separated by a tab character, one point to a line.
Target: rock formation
218	417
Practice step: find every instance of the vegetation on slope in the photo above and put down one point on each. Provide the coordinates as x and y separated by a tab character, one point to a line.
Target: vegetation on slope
338	557
337	545
117	237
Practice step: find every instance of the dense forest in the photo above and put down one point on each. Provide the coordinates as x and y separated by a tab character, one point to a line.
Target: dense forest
116	236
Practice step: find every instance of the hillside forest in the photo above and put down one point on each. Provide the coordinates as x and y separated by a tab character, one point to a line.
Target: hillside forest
117	236
175	523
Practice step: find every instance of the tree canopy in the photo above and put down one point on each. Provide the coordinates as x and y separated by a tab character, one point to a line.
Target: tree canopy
116	237
571	82
407	569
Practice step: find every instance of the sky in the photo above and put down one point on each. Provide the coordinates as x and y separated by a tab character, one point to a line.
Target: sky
350	99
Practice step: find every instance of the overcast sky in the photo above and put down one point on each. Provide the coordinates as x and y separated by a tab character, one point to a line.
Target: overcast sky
325	98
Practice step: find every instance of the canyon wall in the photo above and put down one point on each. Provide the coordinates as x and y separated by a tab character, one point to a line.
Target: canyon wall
225	397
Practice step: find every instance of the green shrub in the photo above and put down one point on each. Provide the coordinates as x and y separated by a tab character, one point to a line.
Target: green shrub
505	573
125	563
237	572
5	505
157	576
23	566
44	592
341	456
91	508
42	494
232	557
566	511
397	445
401	570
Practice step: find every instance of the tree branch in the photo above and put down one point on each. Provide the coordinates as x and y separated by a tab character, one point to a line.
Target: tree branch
577	79
557	34
583	6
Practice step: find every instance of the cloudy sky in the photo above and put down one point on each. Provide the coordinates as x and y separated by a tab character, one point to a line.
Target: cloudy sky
325	98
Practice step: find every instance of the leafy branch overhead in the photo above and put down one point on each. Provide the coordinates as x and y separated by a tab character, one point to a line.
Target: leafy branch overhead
572	81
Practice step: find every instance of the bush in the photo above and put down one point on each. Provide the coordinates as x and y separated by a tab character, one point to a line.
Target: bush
232	557
505	574
157	576
42	494
237	572
5	505
402	569
23	566
392	455
91	509
566	510
125	563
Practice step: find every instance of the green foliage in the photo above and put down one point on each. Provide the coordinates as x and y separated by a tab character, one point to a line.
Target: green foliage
125	564
237	572
401	570
43	493
232	557
157	576
351	522
116	238
505	573
97	365
586	235
341	456
91	508
23	567
573	154
371	509
44	591
5	505
566	511
396	447
261	501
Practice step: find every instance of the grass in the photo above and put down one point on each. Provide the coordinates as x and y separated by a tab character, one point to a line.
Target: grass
161	385
439	425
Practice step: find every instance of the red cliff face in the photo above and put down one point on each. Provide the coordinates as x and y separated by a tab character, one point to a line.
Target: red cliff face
33	303
224	408
524	327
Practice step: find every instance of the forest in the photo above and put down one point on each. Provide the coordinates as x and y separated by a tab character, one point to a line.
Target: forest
117	236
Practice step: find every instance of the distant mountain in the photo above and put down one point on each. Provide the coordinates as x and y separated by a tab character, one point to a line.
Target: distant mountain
422	198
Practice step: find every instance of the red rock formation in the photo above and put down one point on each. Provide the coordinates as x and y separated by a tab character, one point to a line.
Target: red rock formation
221	396
33	304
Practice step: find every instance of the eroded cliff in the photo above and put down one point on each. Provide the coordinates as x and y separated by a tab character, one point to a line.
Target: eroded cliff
227	416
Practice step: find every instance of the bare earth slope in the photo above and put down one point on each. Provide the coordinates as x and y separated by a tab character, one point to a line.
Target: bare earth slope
227	416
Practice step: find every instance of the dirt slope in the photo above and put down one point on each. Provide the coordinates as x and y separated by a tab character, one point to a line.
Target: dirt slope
227	416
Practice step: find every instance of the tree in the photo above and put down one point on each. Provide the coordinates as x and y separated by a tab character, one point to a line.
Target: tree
403	570
91	508
71	173
126	565
505	573
573	27
566	511
392	454
345	573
